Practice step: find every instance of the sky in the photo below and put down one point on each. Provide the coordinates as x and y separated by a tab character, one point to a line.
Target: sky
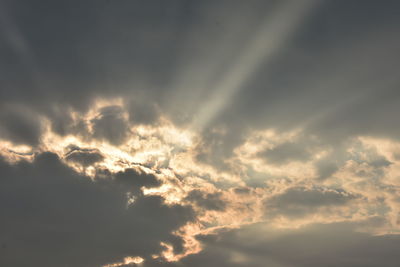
188	133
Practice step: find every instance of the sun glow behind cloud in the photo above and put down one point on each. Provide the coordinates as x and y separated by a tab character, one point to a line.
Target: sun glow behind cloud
228	116
169	153
126	261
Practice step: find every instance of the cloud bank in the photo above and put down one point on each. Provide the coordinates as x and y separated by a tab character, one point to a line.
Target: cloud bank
193	133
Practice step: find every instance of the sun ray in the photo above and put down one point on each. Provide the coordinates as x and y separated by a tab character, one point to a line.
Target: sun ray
273	33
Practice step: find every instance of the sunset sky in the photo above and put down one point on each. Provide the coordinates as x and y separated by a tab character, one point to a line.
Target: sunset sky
200	133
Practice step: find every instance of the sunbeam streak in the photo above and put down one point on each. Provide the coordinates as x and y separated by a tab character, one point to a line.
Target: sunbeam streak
273	33
199	133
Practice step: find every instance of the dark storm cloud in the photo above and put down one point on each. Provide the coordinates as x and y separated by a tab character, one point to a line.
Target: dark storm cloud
51	216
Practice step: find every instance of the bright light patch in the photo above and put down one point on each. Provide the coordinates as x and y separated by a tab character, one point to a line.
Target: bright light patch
127	260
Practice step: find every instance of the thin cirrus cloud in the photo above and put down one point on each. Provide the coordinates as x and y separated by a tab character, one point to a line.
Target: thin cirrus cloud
192	133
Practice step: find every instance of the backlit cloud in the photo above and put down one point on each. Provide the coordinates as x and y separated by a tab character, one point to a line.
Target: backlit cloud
199	133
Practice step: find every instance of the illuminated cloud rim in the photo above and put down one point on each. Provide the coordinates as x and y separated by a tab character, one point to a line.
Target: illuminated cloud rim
151	173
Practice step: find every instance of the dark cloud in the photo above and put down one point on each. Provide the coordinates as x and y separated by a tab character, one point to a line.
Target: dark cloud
110	125
143	111
84	157
299	201
51	216
338	244
285	153
329	164
134	181
326	168
241	190
62	123
257	245
218	143
209	201
78	51
20	125
335	77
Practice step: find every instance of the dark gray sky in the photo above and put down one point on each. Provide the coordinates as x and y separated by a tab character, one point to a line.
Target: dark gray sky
199	133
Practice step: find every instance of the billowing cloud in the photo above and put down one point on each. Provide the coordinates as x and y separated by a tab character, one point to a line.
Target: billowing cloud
338	244
53	216
192	133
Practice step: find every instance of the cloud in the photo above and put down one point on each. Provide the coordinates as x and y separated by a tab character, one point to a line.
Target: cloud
285	153
110	125
337	244
133	180
53	216
208	201
20	125
84	157
326	168
167	67
297	202
143	111
171	120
